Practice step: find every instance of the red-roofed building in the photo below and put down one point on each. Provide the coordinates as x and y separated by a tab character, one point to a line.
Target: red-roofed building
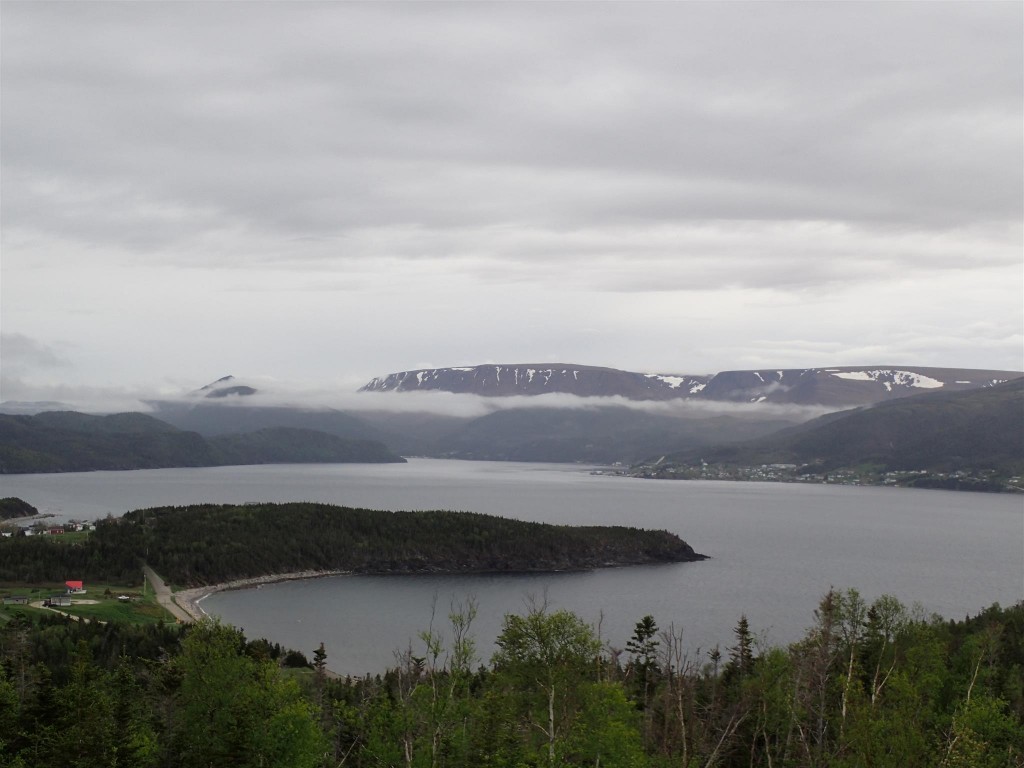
74	587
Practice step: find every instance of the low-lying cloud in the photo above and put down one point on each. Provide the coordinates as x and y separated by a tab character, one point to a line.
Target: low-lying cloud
273	393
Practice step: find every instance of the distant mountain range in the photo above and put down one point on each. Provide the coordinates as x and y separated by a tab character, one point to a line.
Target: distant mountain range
510	380
967	439
603	434
66	441
600	433
905	418
835	386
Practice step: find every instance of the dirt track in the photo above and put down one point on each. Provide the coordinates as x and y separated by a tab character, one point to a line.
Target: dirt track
39	604
165	598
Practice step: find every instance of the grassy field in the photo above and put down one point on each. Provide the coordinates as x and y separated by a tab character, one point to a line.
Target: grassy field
70	537
136	611
140	609
9	612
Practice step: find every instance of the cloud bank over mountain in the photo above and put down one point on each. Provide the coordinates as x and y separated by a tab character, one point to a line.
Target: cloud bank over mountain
331	191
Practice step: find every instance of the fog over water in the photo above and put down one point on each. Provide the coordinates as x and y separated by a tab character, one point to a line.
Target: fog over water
774	548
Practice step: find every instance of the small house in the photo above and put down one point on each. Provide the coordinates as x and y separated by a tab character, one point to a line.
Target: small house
75	587
58	601
16	600
55	531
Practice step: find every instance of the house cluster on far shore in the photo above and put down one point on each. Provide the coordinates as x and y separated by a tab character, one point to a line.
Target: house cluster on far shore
39	529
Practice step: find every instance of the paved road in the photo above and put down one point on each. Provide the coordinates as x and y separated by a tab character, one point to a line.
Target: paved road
163	595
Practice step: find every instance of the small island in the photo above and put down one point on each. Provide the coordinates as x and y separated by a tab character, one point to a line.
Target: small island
209	544
13	508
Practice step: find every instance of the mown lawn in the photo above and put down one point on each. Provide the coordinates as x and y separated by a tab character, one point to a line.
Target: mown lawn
131	612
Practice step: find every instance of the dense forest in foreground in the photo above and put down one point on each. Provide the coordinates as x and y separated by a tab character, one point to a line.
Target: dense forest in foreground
208	544
868	685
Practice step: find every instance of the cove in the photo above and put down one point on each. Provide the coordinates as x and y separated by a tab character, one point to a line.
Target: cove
775	549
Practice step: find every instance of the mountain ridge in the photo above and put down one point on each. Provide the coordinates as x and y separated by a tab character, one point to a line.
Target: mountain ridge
968	439
834	386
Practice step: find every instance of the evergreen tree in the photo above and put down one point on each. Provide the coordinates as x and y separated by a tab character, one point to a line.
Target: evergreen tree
234	710
741	655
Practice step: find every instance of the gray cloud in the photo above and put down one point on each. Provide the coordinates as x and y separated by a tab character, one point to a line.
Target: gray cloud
276	392
305	118
20	353
628	184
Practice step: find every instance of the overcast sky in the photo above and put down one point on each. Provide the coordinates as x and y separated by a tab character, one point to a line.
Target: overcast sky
325	192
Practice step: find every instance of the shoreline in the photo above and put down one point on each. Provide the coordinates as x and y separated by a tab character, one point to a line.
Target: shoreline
188	599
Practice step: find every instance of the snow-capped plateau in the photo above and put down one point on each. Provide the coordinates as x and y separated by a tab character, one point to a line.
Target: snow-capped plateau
509	380
835	386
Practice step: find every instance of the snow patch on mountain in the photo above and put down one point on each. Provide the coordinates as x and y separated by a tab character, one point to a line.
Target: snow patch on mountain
835	386
674	382
855	375
890	378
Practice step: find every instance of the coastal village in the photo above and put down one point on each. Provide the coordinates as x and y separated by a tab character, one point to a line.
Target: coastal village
982	480
42	529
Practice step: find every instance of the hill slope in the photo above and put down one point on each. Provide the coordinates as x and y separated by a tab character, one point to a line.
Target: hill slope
605	435
66	441
938	436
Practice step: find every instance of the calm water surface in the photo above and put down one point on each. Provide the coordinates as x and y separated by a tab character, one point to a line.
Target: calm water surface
775	549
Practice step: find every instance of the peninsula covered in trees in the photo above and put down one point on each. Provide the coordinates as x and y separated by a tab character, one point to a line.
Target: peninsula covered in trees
12	507
207	544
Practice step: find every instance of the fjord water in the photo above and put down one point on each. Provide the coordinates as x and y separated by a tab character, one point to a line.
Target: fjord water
775	549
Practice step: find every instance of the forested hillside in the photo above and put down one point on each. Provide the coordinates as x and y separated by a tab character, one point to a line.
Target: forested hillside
978	433
868	685
207	544
66	441
12	507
